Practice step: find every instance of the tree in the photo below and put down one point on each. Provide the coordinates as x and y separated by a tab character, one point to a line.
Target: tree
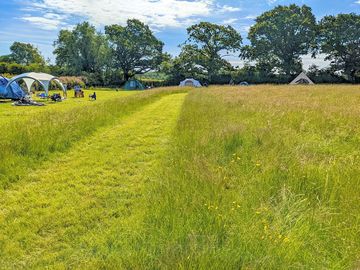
25	54
134	48
6	58
81	50
340	39
209	43
280	36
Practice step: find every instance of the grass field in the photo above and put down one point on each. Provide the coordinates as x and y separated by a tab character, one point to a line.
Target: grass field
260	177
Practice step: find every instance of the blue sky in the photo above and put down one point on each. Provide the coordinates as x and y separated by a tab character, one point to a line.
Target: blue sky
39	21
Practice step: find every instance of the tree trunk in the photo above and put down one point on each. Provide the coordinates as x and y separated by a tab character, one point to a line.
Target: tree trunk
126	75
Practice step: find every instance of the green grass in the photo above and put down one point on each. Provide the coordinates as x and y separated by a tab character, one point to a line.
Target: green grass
76	210
43	131
260	177
9	114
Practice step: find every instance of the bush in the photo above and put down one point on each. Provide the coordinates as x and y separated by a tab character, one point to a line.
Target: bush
71	81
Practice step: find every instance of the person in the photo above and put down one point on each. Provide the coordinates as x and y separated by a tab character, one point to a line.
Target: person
93	96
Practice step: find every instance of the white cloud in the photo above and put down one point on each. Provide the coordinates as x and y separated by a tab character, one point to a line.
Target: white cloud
227	8
252	17
49	21
230	21
156	13
357	2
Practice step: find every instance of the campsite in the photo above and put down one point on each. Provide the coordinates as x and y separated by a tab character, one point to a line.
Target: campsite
236	148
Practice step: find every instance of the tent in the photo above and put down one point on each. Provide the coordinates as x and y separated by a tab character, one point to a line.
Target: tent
302	79
10	91
42	78
190	82
133	85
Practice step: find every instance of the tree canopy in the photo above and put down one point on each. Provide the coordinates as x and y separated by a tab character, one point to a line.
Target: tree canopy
24	54
81	50
340	40
207	45
134	48
280	36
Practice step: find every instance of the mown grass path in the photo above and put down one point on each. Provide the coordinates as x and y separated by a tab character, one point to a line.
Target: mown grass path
78	209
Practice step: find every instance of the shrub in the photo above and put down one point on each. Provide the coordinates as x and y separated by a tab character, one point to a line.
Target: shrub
72	81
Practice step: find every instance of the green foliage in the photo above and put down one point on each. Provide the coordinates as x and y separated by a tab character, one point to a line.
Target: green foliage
324	75
16	69
340	40
25	54
5	58
81	50
72	81
134	48
280	36
207	45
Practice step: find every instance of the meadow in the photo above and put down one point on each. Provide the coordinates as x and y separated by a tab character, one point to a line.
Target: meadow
259	177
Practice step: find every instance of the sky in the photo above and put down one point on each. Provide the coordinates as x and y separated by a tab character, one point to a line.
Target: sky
39	21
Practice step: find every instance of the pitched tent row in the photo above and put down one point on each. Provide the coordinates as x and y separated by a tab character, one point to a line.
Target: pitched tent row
302	78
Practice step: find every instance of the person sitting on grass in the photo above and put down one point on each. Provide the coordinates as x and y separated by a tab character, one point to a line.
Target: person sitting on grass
93	96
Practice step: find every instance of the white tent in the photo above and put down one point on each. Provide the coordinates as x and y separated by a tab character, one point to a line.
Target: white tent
42	78
302	79
190	82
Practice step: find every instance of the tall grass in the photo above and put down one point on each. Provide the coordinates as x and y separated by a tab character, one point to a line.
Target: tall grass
27	142
258	178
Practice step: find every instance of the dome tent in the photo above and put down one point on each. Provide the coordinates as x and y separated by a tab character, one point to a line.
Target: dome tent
190	82
42	78
133	85
10	91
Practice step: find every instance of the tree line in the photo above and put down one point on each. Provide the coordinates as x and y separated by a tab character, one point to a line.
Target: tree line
276	44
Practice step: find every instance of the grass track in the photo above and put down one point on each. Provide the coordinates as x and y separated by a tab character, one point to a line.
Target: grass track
78	208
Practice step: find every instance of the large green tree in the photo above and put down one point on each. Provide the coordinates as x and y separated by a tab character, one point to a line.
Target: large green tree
134	48
208	44
340	40
25	54
81	50
280	37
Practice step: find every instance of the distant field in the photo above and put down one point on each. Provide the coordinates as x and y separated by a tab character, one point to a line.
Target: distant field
259	177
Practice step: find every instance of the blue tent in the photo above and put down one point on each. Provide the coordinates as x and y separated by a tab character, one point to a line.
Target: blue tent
133	85
13	91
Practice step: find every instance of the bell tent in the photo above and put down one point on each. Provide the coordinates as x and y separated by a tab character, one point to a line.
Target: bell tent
302	79
133	85
191	83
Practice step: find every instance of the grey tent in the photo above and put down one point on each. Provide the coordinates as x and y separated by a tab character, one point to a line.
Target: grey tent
42	78
302	78
190	82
